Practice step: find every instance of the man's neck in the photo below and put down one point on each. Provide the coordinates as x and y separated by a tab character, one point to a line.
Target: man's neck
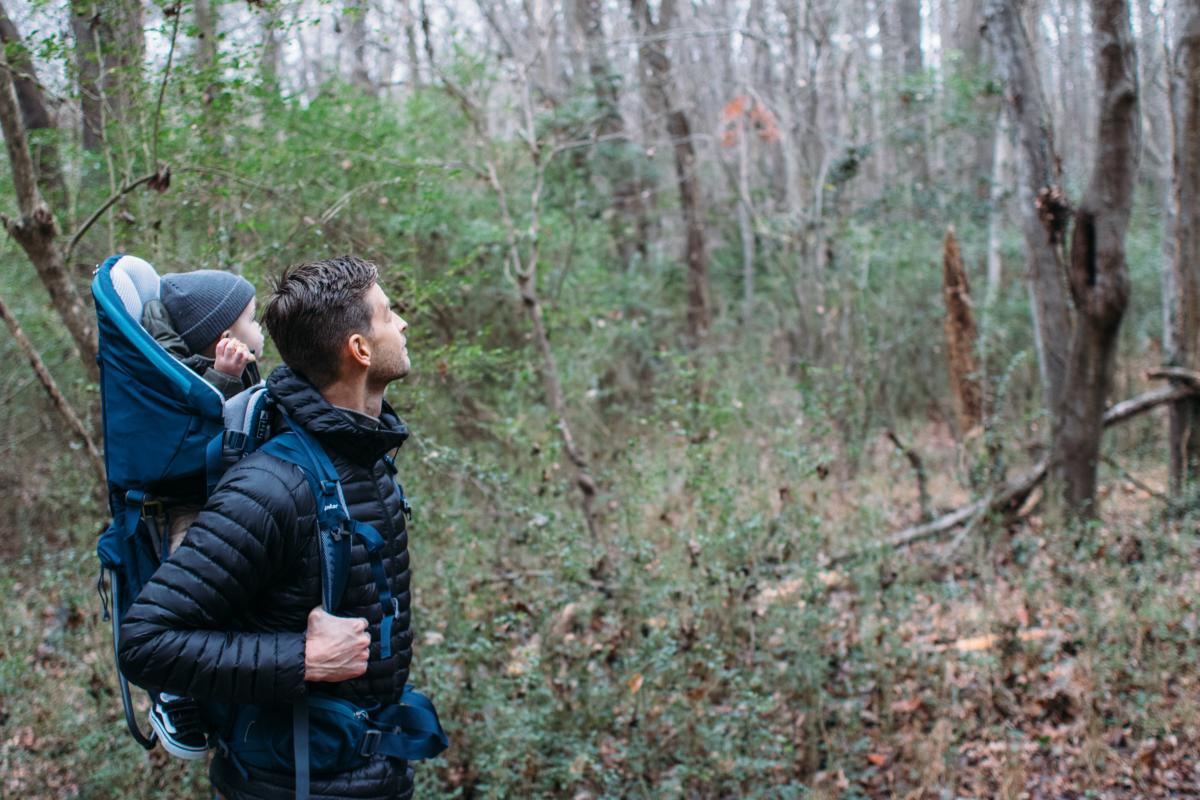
356	396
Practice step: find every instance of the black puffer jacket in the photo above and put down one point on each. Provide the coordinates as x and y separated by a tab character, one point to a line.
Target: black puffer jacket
224	619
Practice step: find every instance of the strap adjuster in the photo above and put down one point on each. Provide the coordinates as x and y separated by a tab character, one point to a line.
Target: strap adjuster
370	743
396	608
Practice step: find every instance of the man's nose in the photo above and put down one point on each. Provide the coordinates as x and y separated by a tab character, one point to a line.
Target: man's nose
403	325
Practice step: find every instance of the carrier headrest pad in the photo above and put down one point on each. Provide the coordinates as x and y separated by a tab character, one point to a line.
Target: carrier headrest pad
135	282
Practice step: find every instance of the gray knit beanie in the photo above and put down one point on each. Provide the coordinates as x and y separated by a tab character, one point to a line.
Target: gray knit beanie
204	303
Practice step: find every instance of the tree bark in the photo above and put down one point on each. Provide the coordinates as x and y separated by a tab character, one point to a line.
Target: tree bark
36	231
109	45
1099	277
206	46
655	68
1181	285
1043	207
960	336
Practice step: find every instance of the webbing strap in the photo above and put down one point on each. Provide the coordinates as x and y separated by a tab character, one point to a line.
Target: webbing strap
391	609
300	747
333	519
418	735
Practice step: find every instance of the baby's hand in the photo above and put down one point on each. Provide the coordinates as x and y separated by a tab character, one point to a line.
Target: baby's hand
232	356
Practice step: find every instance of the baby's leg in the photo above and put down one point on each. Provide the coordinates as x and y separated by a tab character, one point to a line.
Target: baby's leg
181	520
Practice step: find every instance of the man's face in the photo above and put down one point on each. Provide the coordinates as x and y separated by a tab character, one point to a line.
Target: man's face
389	342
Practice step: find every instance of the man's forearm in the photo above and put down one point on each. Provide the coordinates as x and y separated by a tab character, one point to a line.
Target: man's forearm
213	665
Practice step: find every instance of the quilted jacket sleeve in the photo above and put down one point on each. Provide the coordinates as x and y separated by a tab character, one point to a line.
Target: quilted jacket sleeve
181	633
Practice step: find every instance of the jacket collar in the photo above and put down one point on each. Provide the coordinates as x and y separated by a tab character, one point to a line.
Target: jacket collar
333	427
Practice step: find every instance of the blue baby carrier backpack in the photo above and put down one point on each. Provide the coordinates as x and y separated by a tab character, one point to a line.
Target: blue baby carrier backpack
169	435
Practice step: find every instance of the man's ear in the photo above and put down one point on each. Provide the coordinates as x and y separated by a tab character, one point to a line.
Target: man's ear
359	349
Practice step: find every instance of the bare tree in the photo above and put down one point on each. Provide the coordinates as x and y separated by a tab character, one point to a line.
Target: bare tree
109	43
654	66
630	228
1099	277
1181	285
912	62
355	12
35	229
1044	209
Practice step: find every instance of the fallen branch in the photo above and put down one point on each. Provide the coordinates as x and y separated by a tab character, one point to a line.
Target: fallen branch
1145	487
47	381
1018	489
1185	376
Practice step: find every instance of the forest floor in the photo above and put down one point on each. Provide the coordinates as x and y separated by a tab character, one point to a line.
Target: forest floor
1018	662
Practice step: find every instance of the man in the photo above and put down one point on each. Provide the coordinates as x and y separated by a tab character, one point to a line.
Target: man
234	616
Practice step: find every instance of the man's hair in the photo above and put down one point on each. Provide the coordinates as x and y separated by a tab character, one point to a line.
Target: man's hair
314	308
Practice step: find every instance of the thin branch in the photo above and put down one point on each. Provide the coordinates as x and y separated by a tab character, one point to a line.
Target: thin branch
162	87
1185	376
99	212
914	458
48	383
1145	487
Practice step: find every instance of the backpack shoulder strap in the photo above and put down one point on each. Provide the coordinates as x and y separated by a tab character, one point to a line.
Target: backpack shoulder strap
333	541
335	526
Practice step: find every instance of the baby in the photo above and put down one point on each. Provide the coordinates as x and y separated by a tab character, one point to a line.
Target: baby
206	320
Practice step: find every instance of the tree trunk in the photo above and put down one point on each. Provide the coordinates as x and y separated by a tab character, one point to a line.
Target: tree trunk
630	227
655	68
960	336
89	31
269	65
39	124
1099	277
411	52
355	12
999	183
1043	207
206	46
908	19
36	232
1181	286
977	65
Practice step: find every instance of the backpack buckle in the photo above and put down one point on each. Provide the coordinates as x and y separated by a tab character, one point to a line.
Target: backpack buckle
370	743
152	509
396	608
233	445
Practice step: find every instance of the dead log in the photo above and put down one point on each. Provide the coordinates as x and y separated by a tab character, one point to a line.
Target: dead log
961	336
1015	491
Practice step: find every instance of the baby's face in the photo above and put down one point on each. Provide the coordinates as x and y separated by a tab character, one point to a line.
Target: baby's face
247	330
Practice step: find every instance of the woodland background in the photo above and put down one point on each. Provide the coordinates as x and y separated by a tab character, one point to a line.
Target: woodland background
736	473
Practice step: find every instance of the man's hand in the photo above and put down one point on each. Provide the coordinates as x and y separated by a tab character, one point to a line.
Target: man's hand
335	648
232	356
